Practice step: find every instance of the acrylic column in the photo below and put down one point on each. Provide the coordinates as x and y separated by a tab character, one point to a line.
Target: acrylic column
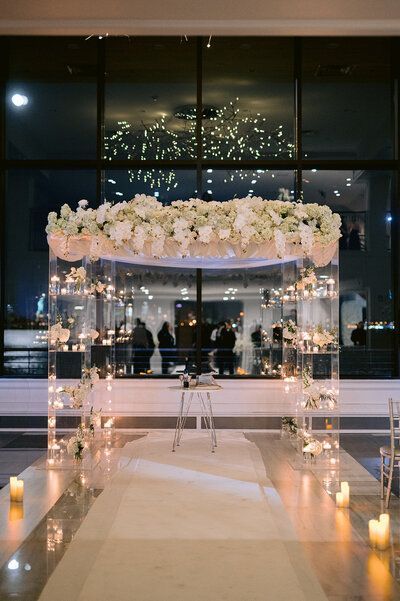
69	351
103	349
318	415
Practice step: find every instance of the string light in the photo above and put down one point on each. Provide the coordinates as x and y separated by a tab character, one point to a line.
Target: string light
209	42
226	134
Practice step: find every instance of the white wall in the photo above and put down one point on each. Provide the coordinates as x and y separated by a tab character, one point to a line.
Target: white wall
224	17
238	397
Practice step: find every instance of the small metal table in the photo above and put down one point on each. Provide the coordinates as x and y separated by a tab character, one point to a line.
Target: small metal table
205	403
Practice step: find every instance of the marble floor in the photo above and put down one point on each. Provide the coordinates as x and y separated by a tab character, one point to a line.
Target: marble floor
328	544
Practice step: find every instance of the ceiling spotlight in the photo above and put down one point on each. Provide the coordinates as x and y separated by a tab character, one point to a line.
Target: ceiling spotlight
19	100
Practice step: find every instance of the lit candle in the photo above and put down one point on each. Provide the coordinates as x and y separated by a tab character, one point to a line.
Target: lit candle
104	342
339	499
16	490
330	286
13	487
82	347
65	347
373	526
345	489
20	491
383	537
74	347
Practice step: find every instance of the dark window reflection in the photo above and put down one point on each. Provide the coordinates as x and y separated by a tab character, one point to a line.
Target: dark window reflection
248	99
30	196
51	99
221	184
166	184
347	98
150	110
363	198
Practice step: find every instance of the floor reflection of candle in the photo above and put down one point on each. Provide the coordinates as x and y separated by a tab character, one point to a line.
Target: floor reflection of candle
339	499
16	511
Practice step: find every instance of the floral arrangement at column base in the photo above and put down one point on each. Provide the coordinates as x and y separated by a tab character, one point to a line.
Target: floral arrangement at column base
76	444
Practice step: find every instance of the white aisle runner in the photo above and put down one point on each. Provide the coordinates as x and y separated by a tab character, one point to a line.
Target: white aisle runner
186	526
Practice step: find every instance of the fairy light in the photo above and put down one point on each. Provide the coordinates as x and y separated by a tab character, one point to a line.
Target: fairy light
226	134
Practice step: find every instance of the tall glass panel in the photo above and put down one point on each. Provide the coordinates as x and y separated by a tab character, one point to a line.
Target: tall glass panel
150	98
155	320
363	199
51	102
347	98
248	99
30	196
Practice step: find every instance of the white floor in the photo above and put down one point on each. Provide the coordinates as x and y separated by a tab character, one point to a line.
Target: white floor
183	526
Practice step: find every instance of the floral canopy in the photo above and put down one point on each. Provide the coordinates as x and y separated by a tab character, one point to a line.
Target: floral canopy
242	232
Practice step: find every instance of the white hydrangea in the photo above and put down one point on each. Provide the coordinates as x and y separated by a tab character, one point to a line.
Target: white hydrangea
144	220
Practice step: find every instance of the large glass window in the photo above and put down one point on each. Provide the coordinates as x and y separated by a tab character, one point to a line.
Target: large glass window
51	99
30	196
347	99
364	200
150	99
155	321
248	99
177	118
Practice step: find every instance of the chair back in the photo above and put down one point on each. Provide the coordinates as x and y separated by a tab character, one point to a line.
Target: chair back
394	417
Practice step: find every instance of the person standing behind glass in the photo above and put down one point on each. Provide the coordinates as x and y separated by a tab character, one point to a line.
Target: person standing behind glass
149	351
139	347
166	345
225	344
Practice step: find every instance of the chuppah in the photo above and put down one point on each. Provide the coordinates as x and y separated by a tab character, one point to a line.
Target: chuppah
85	245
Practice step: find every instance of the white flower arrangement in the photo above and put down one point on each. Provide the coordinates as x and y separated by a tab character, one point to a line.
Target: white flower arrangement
144	221
289	333
94	420
76	444
307	279
78	394
77	275
323	338
58	334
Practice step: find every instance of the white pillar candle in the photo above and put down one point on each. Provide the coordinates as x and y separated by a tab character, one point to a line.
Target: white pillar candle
82	348
74	347
16	490
65	347
13	487
339	499
20	491
373	526
382	536
345	489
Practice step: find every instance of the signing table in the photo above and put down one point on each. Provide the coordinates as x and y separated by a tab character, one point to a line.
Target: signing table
203	393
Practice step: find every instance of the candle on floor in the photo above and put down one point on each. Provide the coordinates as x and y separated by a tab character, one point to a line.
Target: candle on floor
382	536
339	499
384	532
16	490
373	526
345	489
13	487
16	511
